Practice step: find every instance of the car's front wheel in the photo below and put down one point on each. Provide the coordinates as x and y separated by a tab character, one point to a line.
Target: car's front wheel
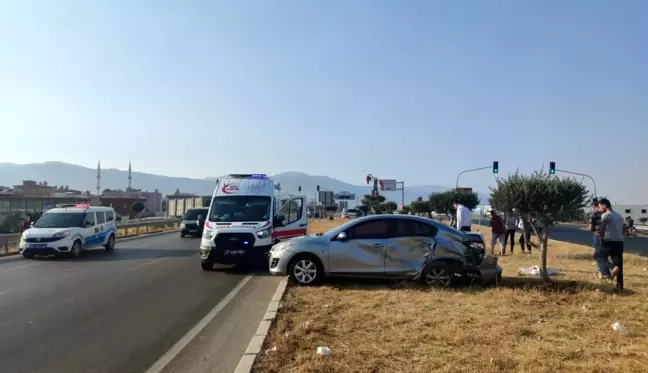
206	265
306	270
76	248
438	274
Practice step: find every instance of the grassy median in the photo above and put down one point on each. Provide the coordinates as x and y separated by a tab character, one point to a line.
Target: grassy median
519	326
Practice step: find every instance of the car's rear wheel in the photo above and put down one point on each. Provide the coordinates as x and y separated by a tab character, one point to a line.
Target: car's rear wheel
111	243
76	249
306	270
438	275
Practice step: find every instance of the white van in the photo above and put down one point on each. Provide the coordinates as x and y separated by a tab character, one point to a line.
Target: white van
244	221
68	230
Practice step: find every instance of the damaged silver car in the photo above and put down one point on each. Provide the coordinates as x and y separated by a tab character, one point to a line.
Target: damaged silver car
386	246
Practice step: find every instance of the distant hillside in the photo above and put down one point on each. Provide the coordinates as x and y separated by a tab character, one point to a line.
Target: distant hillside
82	178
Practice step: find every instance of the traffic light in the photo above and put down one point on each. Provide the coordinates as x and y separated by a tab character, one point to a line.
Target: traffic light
495	167
552	168
318	188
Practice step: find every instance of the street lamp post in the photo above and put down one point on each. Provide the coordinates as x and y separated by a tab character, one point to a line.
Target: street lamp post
583	175
471	170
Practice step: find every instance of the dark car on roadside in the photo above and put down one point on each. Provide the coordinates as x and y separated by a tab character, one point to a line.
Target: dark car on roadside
193	222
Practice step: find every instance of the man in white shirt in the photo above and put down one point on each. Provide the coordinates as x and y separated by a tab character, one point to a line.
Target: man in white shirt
464	217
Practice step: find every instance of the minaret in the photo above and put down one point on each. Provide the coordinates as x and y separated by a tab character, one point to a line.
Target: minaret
130	176
98	178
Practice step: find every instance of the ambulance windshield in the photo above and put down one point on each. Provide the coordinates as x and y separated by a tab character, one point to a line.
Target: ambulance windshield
240	209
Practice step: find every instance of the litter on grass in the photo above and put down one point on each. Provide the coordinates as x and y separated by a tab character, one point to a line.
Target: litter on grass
535	271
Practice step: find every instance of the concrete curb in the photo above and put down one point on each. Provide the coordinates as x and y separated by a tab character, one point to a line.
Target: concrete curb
124	239
255	345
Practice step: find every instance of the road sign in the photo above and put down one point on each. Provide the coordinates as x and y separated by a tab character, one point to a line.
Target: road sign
345	196
326	197
464	190
389	185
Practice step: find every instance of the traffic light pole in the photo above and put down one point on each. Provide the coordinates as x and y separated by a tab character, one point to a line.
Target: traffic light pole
402	189
472	170
583	175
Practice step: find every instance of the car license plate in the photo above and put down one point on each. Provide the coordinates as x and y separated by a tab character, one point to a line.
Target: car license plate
41	246
234	252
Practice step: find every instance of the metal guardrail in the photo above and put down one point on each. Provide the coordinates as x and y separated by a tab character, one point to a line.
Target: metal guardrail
9	243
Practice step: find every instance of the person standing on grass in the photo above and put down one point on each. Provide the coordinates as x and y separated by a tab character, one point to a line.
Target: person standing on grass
595	220
498	233
511	222
464	217
611	234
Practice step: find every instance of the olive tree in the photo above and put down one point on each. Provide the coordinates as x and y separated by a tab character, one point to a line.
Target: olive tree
420	206
441	202
543	197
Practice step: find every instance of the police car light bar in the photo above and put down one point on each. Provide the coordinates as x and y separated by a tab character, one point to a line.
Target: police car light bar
84	205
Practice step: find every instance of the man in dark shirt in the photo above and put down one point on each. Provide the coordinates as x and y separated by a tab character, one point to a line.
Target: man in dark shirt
595	221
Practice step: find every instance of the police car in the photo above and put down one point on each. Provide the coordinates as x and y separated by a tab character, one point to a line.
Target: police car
69	230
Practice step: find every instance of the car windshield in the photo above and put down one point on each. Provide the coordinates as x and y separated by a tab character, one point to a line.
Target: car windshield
193	214
240	208
60	220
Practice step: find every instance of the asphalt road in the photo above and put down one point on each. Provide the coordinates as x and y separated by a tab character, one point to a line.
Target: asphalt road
574	234
122	311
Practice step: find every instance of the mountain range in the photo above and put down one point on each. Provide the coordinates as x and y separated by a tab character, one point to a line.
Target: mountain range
83	178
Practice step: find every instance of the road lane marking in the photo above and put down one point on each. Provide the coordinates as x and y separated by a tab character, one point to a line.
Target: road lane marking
165	359
19	267
147	263
3	293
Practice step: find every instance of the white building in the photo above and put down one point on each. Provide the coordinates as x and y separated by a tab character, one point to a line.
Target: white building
635	211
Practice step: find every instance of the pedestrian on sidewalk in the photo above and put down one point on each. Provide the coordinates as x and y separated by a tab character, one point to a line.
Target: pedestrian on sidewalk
464	217
595	220
511	222
498	233
611	235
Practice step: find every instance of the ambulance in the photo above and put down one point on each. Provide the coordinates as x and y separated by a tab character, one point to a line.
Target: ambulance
246	218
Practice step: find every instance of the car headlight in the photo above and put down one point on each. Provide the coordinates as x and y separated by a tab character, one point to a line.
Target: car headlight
61	234
182	225
281	246
263	233
208	235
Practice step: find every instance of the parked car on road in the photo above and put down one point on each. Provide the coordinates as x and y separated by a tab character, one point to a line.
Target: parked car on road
352	213
193	222
385	246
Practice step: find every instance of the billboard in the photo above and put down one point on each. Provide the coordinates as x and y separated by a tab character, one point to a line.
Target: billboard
389	185
326	197
345	196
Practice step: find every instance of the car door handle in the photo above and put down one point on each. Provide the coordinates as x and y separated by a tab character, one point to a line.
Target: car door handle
303	225
378	245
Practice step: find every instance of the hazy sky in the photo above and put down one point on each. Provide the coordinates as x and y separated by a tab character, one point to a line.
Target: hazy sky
412	90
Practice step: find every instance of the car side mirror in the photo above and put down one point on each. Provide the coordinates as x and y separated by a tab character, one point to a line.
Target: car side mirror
88	224
32	224
342	236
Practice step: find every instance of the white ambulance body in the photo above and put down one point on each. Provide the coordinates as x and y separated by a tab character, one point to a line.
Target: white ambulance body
244	221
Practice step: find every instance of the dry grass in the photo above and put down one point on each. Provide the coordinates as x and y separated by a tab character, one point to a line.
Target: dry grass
520	326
